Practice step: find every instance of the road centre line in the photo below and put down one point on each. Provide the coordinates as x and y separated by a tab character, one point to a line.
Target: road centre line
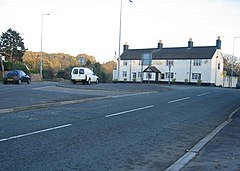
135	94
177	100
35	132
44	87
128	111
202	94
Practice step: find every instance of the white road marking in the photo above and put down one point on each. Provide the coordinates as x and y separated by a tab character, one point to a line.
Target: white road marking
177	100
127	95
42	88
202	94
185	159
35	132
231	115
128	111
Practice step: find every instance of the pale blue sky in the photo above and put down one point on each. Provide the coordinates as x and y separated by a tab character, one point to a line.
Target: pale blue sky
92	26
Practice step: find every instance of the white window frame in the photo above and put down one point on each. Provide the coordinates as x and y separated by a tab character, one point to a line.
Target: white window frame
196	76
167	75
139	75
169	62
124	74
197	62
134	75
148	75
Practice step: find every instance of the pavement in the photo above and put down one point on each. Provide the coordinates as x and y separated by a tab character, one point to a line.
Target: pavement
220	150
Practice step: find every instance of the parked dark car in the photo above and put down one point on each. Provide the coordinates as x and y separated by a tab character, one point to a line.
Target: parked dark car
16	76
238	85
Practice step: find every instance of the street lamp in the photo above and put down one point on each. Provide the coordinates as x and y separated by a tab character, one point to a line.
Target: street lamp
233	60
41	60
119	43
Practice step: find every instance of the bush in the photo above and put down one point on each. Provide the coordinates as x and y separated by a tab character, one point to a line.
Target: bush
174	80
65	73
10	65
199	82
48	73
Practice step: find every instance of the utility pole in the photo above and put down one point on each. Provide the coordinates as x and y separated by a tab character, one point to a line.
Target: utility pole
2	66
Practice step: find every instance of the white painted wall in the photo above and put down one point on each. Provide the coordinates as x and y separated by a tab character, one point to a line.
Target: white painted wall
227	81
182	69
217	73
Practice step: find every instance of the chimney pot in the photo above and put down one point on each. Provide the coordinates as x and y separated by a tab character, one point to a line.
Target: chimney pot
190	43
218	43
125	47
160	44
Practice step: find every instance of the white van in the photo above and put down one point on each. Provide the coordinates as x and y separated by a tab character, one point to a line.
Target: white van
82	74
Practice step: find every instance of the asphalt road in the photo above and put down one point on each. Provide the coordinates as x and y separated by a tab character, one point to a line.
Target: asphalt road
129	130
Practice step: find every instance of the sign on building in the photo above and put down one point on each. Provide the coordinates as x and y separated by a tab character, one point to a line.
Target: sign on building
147	59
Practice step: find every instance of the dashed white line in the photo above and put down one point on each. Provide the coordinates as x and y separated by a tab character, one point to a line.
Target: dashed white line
45	87
127	95
35	132
128	111
202	94
177	100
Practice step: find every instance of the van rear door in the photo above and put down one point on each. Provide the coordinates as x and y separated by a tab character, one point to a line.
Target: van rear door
78	74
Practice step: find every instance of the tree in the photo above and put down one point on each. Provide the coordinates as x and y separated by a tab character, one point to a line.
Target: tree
229	62
11	43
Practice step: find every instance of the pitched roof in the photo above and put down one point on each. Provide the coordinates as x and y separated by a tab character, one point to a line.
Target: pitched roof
152	69
201	52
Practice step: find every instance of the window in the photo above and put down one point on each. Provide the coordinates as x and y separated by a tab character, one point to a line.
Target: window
139	62
197	62
162	76
139	74
149	75
218	66
81	71
167	74
169	62
75	71
134	75
125	62
196	76
124	73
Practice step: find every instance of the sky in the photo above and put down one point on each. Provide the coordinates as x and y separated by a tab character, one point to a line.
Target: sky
92	26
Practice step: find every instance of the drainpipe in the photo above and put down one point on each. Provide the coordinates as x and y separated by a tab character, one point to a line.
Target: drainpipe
216	72
190	71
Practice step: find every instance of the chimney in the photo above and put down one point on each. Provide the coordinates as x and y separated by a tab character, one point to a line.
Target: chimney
125	47
218	43
190	43
160	44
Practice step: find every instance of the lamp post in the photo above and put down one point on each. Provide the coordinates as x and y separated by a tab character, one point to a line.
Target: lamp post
233	59
2	58
41	60
119	43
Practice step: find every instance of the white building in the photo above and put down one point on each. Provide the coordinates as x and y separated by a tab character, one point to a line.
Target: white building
202	64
